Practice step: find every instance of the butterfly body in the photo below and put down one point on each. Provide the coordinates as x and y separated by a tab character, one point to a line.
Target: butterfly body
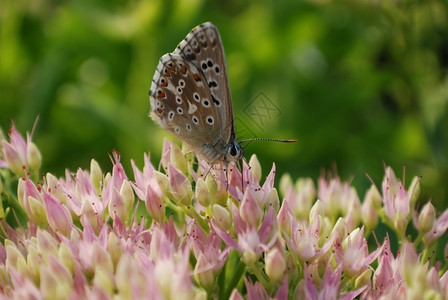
190	96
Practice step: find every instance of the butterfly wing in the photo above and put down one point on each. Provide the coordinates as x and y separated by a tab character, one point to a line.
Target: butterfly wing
190	93
182	103
203	48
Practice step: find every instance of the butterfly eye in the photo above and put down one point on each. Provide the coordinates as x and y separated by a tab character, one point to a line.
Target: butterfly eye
233	151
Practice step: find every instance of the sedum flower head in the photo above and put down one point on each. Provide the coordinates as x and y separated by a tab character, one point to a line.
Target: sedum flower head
206	232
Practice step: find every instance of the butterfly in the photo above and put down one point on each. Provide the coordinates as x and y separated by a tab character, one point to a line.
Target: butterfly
190	97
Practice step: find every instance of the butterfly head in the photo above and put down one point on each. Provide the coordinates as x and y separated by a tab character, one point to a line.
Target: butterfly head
234	152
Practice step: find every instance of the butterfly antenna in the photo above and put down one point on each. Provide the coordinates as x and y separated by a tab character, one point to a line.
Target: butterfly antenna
269	140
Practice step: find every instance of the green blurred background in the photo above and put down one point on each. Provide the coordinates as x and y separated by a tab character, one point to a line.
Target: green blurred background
359	83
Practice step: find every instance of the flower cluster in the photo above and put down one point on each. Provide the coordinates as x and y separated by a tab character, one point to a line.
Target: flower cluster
187	232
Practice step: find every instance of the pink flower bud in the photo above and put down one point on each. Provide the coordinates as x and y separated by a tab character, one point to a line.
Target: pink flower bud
15	163
53	187
52	286
221	217
286	184
211	185
34	157
255	167
222	195
58	215
188	153
125	271
164	183
426	218
180	186
100	257
250	210
46	244
316	211
154	204
339	229
114	248
369	213
409	261
364	279
177	158
60	271
166	153
36	211
301	201
204	273
414	189
127	195
117	206
104	281
202	194
34	259
96	175
15	259
66	257
275	264
374	197
400	224
90	214
272	199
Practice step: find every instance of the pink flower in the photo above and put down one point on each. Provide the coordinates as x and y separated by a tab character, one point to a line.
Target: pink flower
353	254
250	209
329	286
339	198
300	199
303	239
20	155
387	279
172	155
397	201
147	189
439	227
207	250
31	199
251	242
256	291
